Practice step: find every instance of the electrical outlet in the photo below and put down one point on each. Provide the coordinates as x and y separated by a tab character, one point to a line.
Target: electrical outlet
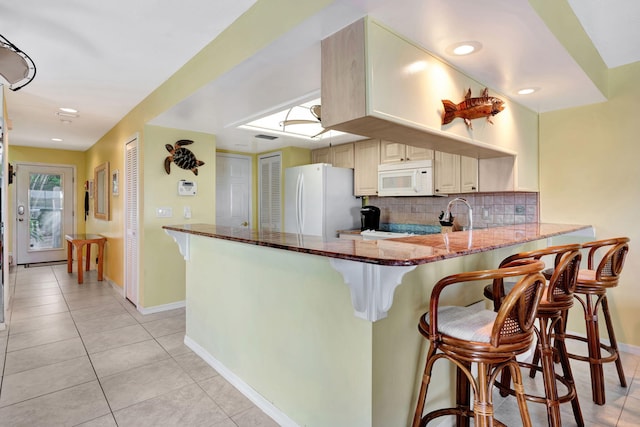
187	212
485	213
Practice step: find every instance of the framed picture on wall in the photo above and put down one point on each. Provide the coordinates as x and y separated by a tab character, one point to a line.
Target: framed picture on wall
115	189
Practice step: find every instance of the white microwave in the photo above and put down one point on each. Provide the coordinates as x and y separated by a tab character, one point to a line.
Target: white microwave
413	178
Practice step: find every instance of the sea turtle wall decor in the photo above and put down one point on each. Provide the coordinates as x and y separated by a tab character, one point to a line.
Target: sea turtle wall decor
182	157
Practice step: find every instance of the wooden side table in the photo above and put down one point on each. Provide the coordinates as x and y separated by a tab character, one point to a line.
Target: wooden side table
78	241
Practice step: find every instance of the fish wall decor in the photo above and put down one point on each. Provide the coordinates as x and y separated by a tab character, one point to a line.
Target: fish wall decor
472	108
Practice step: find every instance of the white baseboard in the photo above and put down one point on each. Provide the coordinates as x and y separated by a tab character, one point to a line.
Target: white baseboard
163	307
267	407
119	290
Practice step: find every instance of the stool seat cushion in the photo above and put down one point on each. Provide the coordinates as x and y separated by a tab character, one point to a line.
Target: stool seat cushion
586	275
466	323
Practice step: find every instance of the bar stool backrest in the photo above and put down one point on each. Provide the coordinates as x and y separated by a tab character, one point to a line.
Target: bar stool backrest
564	273
518	311
610	266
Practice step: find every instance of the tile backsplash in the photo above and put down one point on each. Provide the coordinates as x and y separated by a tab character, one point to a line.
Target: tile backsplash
489	209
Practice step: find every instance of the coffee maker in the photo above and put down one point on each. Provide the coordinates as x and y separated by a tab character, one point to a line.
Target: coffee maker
370	218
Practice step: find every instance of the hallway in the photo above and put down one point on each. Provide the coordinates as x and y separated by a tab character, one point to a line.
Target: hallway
81	355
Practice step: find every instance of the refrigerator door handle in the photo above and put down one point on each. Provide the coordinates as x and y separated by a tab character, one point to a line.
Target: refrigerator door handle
299	204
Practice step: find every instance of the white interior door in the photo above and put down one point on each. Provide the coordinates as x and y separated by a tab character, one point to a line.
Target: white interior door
233	190
43	212
131	255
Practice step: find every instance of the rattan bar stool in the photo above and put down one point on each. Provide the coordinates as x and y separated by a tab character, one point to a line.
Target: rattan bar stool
591	291
556	301
465	335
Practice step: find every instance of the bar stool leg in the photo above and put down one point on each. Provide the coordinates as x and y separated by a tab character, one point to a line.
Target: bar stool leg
595	355
463	395
548	373
612	340
563	358
514	369
426	378
482	406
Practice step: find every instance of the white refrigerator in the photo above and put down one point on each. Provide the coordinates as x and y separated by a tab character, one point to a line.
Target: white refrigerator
319	201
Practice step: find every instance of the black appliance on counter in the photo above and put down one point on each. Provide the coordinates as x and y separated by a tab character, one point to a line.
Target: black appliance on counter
370	218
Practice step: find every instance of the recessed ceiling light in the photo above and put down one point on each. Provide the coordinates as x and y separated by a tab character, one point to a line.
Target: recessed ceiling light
463	48
56	139
528	90
72	115
68	110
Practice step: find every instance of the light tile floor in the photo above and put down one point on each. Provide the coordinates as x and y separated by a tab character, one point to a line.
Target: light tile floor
81	355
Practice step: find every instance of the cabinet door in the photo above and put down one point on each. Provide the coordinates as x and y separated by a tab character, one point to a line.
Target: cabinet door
391	152
342	156
446	171
468	174
366	158
321	155
418	153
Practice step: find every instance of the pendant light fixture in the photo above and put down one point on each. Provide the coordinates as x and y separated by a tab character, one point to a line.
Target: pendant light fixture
16	67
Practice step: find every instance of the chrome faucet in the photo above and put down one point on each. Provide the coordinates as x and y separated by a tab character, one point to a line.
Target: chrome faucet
447	213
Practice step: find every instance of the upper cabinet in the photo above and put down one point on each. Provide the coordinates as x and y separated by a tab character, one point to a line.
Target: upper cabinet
340	156
454	174
365	173
403	103
321	155
392	152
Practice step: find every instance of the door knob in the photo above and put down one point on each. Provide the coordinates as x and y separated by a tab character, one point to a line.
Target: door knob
244	224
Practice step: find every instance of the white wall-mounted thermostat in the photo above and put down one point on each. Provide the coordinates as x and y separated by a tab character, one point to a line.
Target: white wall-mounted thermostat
186	188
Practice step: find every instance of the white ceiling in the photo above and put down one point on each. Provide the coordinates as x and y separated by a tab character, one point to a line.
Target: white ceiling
103	58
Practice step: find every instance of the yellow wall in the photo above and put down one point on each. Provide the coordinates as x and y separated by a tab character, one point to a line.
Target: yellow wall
58	157
589	174
162	268
113	229
254	30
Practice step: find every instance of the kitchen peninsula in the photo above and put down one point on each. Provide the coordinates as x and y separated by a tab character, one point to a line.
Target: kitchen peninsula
272	313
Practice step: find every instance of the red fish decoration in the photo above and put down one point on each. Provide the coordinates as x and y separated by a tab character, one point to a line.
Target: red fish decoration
472	108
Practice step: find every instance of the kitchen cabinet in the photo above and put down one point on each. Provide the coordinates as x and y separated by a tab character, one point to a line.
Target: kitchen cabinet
368	90
392	152
454	173
365	176
321	155
405	105
446	173
468	174
340	156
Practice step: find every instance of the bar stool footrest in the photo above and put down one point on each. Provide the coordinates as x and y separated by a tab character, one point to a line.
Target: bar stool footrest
459	412
571	394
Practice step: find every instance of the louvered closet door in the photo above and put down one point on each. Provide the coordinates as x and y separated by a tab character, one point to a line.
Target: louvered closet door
270	174
131	222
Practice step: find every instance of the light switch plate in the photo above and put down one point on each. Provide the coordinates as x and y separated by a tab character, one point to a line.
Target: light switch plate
164	212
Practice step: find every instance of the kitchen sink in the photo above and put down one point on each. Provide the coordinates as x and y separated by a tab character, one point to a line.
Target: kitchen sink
377	235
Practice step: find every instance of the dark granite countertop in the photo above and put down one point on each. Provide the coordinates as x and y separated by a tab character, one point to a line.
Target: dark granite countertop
413	250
